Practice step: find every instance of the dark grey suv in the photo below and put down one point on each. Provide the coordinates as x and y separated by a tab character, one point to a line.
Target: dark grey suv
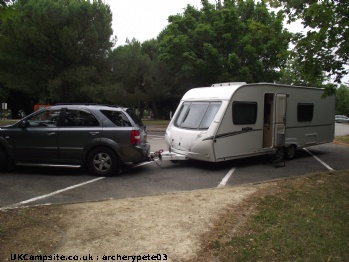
100	137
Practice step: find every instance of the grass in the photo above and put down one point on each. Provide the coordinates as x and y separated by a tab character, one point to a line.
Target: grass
161	123
7	122
343	139
306	220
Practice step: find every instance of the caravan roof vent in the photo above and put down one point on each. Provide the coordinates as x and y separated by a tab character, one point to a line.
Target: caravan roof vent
230	84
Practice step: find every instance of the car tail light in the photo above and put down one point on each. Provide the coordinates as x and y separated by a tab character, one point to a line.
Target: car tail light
135	137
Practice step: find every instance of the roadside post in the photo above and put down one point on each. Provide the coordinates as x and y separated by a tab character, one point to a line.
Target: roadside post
3	109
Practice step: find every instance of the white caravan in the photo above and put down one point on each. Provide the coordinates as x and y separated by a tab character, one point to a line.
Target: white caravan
234	120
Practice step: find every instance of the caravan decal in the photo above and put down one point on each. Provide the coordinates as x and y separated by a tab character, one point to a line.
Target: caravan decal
243	131
293	127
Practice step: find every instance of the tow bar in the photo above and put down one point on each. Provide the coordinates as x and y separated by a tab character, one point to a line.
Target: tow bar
160	155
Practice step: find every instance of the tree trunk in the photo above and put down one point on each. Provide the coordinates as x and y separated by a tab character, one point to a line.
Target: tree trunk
155	111
141	110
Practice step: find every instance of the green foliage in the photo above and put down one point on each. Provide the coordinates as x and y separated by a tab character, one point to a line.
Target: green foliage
234	41
55	49
342	100
138	78
5	9
128	69
325	45
295	73
3	92
5	3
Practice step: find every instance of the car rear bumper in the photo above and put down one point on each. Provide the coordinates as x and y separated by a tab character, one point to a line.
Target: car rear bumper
137	153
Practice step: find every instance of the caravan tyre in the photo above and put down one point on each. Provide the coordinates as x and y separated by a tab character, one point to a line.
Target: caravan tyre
291	152
280	153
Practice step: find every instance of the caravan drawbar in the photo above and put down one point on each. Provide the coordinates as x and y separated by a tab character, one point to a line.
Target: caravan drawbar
235	120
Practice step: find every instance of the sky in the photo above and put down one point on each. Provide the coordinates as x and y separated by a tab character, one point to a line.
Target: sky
145	19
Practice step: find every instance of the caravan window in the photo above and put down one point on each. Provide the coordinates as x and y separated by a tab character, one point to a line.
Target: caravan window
305	112
244	113
197	115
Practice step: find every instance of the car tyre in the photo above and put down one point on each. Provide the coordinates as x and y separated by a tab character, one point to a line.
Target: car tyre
3	161
103	161
291	152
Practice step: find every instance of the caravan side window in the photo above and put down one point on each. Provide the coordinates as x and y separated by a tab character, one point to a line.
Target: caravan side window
244	113
305	112
197	115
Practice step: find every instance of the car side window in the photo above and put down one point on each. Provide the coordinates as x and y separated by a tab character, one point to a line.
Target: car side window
46	118
117	117
79	118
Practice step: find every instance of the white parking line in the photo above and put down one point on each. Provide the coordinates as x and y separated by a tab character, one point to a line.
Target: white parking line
51	194
318	159
226	178
61	190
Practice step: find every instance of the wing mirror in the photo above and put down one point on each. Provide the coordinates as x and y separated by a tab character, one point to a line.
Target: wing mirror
24	124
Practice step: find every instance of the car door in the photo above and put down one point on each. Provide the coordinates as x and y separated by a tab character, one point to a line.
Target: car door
80	129
36	137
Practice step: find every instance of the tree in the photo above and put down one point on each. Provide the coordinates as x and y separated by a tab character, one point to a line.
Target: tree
233	41
138	79
159	83
342	100
3	92
325	46
5	3
55	50
6	10
294	73
129	66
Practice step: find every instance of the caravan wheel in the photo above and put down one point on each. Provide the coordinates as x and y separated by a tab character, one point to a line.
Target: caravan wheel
291	152
280	153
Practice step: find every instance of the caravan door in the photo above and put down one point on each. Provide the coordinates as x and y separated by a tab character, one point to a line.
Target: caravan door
280	120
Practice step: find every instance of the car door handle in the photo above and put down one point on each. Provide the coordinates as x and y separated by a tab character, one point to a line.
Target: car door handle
50	133
94	133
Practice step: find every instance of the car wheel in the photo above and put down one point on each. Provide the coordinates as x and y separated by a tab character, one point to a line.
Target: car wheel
103	161
280	153
3	161
291	152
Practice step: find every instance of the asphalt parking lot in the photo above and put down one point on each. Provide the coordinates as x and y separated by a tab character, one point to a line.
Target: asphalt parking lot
36	186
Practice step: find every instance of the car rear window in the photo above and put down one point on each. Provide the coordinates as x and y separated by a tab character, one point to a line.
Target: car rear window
117	117
134	117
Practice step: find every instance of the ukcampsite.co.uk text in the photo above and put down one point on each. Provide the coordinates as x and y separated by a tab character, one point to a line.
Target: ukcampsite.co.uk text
57	257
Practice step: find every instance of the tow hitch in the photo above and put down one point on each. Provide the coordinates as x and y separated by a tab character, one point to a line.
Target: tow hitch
160	155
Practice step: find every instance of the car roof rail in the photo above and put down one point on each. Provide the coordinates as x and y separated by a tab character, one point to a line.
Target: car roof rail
85	104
